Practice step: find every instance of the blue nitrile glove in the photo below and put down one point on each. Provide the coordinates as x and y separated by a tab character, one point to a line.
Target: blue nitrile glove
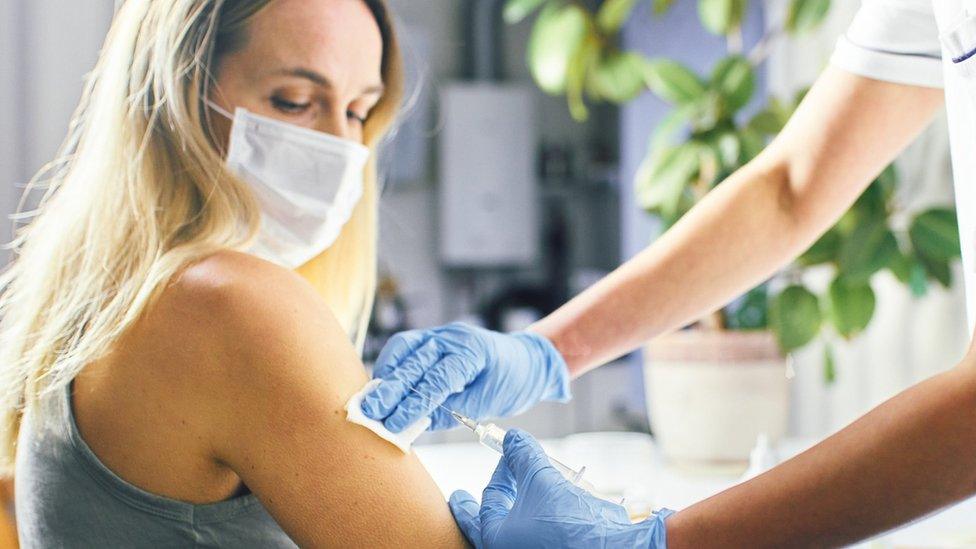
474	371
528	503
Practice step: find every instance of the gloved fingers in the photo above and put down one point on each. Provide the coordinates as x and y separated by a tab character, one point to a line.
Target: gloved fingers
466	514
396	385
396	350
497	499
526	458
449	377
615	513
438	382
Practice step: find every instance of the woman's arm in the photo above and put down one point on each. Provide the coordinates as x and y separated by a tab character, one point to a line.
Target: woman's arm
905	459
845	132
276	413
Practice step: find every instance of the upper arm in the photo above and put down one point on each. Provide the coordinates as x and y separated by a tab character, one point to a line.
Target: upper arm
279	424
880	91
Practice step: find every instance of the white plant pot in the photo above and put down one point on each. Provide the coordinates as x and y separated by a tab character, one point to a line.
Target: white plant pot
710	394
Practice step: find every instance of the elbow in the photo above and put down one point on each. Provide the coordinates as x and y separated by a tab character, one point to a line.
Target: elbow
806	201
784	187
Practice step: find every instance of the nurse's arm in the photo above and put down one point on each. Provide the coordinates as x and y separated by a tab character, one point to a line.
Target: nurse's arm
275	394
910	456
845	132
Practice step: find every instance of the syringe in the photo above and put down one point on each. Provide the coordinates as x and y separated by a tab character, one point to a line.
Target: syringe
493	436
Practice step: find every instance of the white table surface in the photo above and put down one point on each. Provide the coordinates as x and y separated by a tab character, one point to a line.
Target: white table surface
629	462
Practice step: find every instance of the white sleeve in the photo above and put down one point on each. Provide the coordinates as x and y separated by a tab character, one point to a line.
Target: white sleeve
893	40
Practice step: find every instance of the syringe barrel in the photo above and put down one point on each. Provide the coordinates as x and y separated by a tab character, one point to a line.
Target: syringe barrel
491	436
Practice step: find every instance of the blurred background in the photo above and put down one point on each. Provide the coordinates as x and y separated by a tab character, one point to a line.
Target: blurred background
499	205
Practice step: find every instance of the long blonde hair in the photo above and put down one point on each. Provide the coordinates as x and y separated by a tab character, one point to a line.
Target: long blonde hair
140	190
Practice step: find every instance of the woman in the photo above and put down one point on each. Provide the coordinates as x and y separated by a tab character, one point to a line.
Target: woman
168	379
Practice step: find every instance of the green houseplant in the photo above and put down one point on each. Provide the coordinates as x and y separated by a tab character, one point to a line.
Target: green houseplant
574	51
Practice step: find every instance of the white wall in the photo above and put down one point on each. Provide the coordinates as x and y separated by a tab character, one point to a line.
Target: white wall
10	165
48	46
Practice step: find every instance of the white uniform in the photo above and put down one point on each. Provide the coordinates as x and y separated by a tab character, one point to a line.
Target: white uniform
928	43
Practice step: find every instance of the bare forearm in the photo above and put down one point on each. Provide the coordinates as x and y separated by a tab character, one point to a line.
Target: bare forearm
841	137
907	458
736	237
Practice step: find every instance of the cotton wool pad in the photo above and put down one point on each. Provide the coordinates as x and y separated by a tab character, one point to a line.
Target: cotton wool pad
402	440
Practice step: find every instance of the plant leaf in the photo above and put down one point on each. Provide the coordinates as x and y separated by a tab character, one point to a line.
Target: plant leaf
938	269
662	6
661	181
935	234
887	181
577	77
673	82
749	312
900	265
675	120
918	280
558	34
752	142
729	150
798	98
870	248
773	118
824	250
613	14
517	10
735	79
806	15
830	368
766	122
619	76
721	16
850	306
795	317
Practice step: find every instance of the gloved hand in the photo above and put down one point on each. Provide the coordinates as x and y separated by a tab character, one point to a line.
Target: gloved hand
474	371
528	503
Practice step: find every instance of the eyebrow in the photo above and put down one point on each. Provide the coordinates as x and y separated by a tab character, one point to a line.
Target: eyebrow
321	80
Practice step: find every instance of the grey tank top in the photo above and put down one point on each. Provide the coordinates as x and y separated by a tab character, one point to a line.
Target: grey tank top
66	497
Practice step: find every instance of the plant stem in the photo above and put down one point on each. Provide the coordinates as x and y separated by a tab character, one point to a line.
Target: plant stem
761	51
733	40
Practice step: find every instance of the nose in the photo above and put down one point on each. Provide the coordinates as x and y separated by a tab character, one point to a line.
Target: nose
335	122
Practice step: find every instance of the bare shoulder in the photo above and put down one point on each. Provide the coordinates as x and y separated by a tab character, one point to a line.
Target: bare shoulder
253	338
252	315
230	287
228	342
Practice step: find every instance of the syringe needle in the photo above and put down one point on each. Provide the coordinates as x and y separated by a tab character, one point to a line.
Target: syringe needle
566	470
432	401
462	419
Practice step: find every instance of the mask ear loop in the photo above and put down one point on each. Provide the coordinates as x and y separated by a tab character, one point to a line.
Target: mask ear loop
220	110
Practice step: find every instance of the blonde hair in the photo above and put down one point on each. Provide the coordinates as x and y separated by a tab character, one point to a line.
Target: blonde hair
140	190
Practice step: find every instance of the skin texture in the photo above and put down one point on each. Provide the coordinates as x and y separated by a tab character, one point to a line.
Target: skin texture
899	462
235	378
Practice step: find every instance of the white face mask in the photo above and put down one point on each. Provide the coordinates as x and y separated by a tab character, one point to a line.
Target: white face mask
306	182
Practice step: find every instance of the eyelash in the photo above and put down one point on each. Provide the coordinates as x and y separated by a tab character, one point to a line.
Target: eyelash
298	108
288	106
356	117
